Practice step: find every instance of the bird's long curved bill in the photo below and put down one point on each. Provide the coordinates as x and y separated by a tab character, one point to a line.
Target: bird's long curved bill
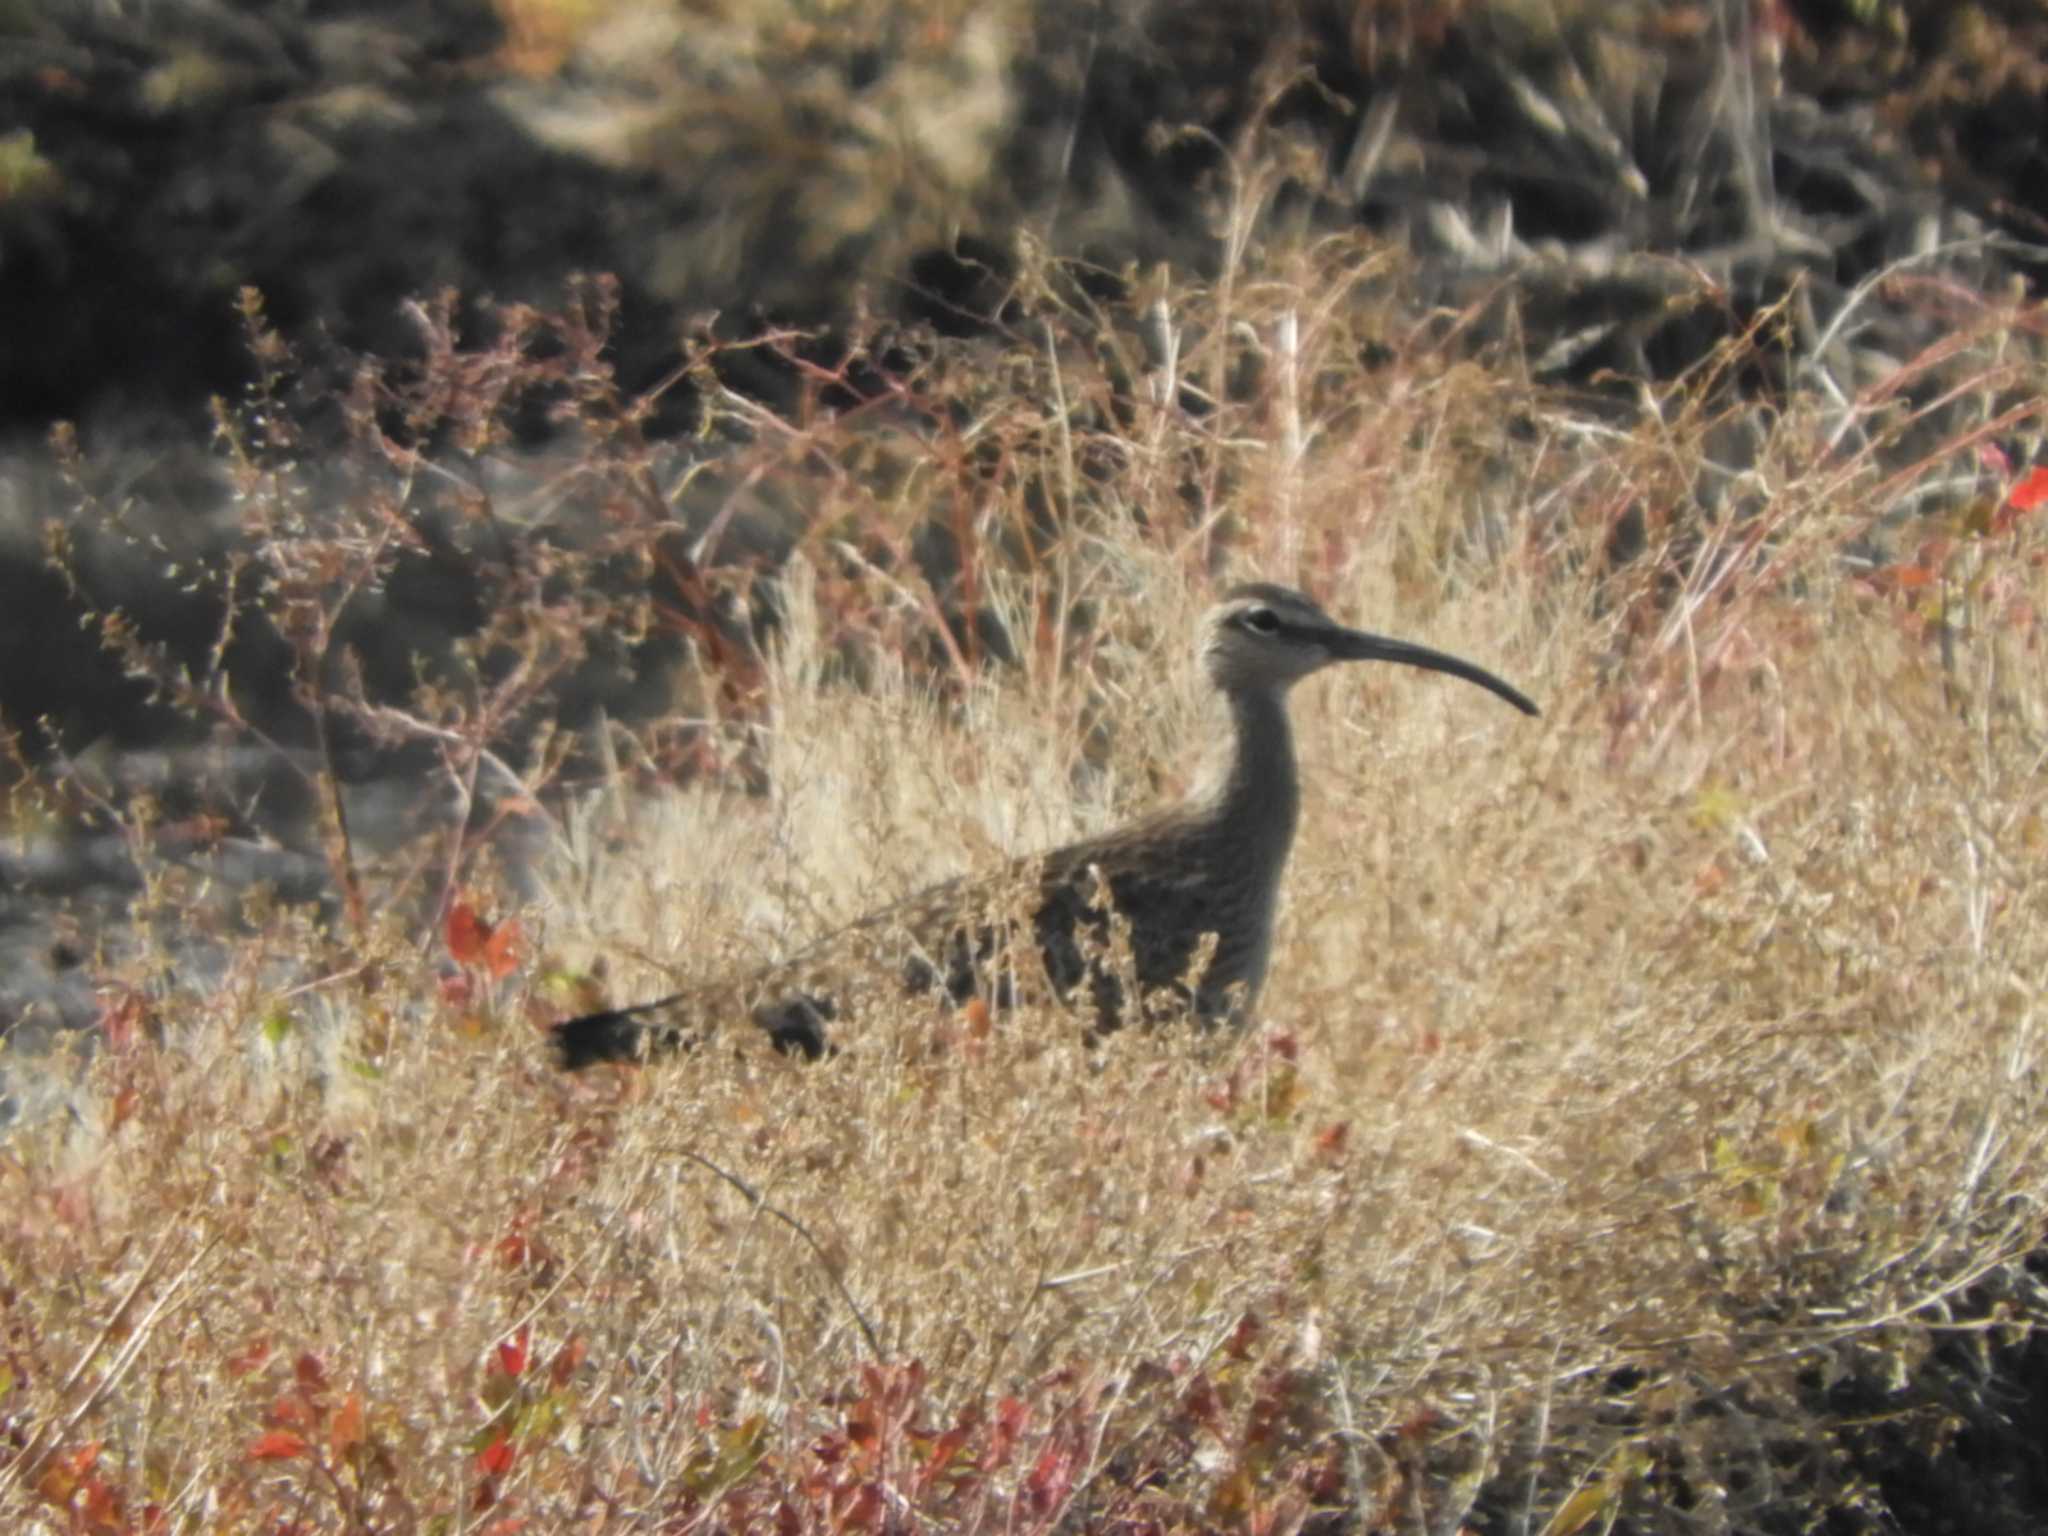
1357	645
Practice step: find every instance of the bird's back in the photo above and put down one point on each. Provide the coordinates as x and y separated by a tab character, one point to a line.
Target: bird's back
1196	903
1084	925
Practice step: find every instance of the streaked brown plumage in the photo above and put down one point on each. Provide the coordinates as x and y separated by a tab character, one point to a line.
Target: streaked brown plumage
1210	865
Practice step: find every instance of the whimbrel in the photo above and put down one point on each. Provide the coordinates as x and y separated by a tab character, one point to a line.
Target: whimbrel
1193	885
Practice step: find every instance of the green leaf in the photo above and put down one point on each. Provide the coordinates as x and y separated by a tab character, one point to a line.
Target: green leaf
537	1420
1976	519
740	1449
1717	806
1629	1465
484	1438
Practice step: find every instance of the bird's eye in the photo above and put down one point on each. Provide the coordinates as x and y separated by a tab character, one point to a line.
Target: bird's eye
1264	620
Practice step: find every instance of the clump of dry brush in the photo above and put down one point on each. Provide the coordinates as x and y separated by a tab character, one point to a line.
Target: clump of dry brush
1644	1120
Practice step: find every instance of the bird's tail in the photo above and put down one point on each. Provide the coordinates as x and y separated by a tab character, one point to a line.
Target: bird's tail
620	1034
794	1023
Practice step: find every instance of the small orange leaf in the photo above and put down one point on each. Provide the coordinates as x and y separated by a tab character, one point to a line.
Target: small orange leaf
2031	491
501	949
291	1409
345	1431
979	1023
249	1356
62	1476
1907	578
277	1445
466	933
125	1101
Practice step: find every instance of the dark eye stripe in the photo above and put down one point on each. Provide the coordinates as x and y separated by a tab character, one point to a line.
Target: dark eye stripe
1264	620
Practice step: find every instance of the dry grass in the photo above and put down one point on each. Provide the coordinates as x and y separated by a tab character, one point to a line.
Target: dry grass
1628	1080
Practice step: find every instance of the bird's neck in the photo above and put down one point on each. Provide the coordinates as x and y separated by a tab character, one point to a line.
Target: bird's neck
1251	789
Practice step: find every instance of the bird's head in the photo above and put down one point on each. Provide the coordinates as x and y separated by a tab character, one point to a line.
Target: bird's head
1265	638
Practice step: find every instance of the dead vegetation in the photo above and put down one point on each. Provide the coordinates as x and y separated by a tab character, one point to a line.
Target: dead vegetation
1643	1130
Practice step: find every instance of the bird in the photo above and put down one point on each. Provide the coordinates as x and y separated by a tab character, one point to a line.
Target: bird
1176	907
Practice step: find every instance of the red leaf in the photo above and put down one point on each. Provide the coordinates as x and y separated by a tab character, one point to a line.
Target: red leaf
496	1459
100	1509
1011	1417
1242	1337
123	1108
1203	1405
1424	1421
1048	1483
121	1019
311	1371
512	1352
277	1445
72	1204
513	1250
467	934
2031	491
501	949
863	1511
567	1358
290	1409
944	1449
